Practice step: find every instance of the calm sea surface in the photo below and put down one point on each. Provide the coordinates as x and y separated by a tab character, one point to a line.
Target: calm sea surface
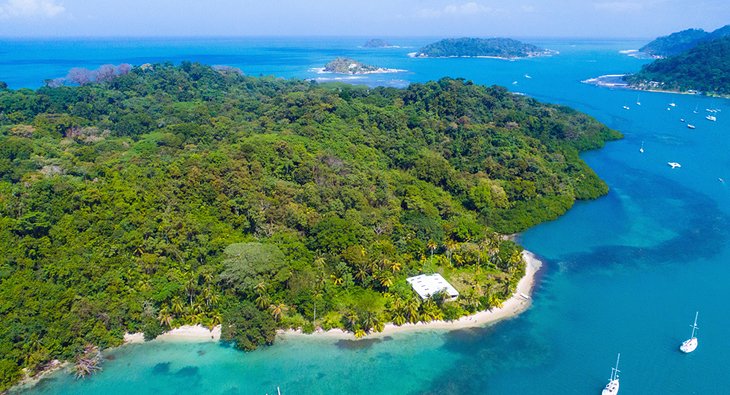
623	274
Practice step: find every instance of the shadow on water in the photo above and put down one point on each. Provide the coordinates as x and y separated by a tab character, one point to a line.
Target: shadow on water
188	371
161	368
360	344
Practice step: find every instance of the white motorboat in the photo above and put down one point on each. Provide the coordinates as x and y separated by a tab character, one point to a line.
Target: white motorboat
672	105
690	344
674	165
613	384
689	125
626	107
711	118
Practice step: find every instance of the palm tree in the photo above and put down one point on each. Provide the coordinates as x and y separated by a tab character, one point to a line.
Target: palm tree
385	279
351	319
361	274
450	247
412	310
177	305
432	246
165	317
277	310
191	283
262	301
396	267
337	280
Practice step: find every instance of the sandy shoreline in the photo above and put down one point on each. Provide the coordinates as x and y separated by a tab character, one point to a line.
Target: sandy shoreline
510	308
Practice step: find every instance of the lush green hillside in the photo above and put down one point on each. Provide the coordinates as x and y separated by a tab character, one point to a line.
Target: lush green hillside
470	47
704	68
179	195
679	42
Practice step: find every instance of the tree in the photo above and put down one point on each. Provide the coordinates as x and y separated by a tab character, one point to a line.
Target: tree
247	327
249	264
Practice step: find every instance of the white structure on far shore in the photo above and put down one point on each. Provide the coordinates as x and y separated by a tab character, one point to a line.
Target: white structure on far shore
427	285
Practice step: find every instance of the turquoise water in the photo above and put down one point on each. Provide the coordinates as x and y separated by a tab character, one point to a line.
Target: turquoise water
623	274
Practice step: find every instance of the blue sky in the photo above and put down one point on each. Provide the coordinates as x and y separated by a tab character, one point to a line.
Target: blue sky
382	18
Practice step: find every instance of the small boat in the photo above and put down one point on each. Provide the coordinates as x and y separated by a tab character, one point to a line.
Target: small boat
695	111
689	125
514	82
613	384
672	105
626	107
674	165
681	119
638	103
669	108
528	76
642	147
711	118
690	344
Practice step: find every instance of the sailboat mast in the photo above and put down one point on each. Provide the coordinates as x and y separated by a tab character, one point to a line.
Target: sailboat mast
694	326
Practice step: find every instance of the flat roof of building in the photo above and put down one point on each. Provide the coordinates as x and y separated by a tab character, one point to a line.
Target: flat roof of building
426	285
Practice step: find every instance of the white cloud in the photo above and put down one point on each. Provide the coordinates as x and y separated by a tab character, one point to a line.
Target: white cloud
619	6
30	8
465	9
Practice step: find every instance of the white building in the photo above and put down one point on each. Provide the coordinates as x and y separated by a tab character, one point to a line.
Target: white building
427	285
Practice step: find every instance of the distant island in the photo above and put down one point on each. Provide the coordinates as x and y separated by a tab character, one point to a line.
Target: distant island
505	48
377	43
682	41
343	65
702	69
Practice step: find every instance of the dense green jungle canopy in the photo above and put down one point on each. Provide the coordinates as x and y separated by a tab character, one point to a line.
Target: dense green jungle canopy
172	195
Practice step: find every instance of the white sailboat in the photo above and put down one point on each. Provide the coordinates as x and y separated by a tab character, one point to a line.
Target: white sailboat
613	384
695	111
690	344
638	103
642	147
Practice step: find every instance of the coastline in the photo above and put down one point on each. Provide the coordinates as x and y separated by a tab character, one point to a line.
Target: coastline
519	302
615	81
511	307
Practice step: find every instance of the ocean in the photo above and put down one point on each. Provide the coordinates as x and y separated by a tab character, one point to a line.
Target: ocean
624	273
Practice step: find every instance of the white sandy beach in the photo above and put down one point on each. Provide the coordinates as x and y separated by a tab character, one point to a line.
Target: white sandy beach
195	333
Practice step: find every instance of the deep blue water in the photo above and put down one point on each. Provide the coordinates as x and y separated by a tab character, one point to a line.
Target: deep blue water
624	273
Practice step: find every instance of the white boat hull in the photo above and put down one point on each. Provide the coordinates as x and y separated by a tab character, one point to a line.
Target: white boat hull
611	388
688	345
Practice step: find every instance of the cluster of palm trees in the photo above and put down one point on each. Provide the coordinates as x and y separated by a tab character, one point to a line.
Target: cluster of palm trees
412	310
197	306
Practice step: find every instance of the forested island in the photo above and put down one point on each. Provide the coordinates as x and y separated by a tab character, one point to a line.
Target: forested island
506	48
679	42
377	43
166	195
353	67
703	69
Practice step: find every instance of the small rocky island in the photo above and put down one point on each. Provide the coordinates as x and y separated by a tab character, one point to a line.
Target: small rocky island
343	65
505	48
377	43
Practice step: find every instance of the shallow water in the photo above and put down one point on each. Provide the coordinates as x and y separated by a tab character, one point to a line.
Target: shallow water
623	274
